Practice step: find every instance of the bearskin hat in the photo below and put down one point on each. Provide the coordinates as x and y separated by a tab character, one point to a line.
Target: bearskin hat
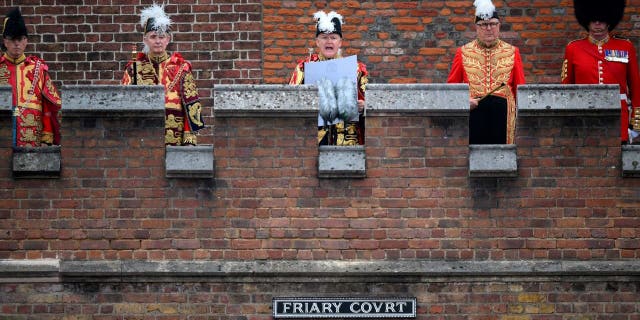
14	26
610	11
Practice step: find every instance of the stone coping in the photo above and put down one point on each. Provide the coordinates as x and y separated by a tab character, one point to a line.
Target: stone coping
112	101
437	99
266	100
301	101
5	98
568	99
331	268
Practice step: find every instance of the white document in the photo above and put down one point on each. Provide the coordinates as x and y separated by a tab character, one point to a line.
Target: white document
334	70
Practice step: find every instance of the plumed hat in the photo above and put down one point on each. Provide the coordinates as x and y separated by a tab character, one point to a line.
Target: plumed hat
154	18
485	10
14	26
610	11
328	23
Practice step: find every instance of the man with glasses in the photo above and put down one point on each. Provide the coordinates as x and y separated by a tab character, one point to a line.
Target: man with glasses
154	66
36	101
600	58
329	44
493	69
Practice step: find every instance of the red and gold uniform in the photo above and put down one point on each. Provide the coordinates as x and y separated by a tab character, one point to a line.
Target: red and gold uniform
354	132
487	68
36	101
182	103
610	61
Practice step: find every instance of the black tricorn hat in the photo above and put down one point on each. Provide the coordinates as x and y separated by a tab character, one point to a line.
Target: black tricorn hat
610	11
13	25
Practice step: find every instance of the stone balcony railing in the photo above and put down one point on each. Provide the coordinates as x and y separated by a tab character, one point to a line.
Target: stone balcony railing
433	100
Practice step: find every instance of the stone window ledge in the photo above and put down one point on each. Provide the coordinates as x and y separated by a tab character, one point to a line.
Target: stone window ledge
342	162
38	162
493	160
189	161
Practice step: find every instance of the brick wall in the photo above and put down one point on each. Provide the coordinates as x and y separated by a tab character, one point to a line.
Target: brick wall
414	41
247	41
504	299
112	201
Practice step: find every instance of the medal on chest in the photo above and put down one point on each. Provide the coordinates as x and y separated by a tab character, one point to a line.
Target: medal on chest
616	55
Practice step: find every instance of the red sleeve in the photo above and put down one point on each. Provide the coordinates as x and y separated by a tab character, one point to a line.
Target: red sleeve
297	76
51	105
363	79
126	77
633	78
457	74
567	75
517	74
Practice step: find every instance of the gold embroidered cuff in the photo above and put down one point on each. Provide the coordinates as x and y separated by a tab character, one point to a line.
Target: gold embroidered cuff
189	138
47	137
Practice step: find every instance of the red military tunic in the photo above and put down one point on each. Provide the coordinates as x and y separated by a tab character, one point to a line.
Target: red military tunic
36	101
182	103
485	69
611	61
297	78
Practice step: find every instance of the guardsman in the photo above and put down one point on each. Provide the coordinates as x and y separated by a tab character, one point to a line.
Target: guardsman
600	58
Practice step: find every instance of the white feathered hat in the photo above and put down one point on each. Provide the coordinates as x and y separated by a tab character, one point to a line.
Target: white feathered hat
154	18
485	10
328	23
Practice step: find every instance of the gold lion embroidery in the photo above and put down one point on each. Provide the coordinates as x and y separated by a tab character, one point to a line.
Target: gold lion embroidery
170	137
147	75
173	122
28	135
30	120
190	89
4	74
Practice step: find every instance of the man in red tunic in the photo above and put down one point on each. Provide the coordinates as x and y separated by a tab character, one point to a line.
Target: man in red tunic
36	101
493	69
329	43
154	66
600	58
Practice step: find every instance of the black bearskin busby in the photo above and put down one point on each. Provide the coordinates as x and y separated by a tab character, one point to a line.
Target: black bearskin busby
14	26
610	11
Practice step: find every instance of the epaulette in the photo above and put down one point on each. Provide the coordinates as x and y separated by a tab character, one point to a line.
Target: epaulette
576	40
617	37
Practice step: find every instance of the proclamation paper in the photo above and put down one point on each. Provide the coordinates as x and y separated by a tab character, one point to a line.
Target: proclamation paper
334	70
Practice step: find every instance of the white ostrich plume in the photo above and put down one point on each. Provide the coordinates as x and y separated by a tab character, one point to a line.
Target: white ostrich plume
324	21
484	9
327	104
161	22
346	98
